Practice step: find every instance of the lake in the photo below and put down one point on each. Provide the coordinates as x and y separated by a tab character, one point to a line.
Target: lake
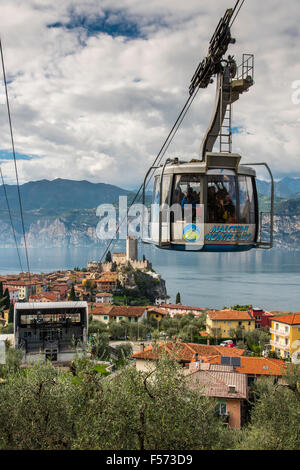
267	279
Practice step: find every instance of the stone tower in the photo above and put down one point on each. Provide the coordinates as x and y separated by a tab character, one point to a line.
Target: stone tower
131	249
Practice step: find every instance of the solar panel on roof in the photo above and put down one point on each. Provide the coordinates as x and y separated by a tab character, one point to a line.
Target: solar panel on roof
225	361
236	361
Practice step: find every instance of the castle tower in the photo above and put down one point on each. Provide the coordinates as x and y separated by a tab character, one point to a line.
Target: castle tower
131	249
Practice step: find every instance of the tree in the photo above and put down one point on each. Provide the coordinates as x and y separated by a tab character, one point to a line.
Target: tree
113	267
6	302
178	300
131	410
100	346
108	258
11	314
72	295
275	416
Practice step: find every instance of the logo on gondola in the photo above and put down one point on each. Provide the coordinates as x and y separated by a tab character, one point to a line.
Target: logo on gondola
191	233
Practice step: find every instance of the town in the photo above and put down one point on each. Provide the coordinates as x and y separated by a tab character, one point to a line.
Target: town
119	310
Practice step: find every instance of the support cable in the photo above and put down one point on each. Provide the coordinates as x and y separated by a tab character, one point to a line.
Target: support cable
158	158
11	221
14	156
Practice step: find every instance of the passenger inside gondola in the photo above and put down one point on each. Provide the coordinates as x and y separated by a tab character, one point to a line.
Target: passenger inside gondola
221	207
187	193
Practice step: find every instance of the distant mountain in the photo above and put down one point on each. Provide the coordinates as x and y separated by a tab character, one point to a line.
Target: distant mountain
61	194
63	212
285	188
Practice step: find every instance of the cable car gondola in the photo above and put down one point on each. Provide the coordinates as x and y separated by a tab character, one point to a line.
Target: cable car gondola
211	203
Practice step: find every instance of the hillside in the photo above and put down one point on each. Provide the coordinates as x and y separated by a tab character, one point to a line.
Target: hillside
61	194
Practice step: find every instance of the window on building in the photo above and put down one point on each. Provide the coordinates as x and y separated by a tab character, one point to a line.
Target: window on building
105	318
136	319
221	408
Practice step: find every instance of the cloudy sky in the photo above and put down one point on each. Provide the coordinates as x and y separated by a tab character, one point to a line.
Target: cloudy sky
96	85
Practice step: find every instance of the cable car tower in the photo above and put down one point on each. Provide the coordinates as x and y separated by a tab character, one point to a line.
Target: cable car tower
211	203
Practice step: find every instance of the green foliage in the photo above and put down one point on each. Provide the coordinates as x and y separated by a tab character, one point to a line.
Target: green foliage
100	346
72	295
275	418
6	301
108	258
96	326
123	351
178	299
13	360
11	314
131	410
242	308
114	267
8	329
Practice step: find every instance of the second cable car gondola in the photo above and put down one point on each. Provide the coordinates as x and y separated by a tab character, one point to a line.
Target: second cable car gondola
211	203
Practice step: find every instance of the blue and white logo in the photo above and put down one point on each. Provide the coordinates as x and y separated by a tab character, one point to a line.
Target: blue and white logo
191	233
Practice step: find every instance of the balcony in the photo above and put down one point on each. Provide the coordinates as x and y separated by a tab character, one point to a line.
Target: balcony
280	332
285	347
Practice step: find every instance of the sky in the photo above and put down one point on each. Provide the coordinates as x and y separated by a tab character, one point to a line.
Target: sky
96	85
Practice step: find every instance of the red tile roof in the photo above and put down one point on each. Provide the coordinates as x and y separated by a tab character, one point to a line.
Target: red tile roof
186	352
182	307
216	383
229	315
293	319
253	365
116	311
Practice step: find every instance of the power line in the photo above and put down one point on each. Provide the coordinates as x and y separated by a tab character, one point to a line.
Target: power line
11	221
14	156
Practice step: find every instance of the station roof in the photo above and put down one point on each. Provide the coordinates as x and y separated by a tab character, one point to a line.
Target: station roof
49	305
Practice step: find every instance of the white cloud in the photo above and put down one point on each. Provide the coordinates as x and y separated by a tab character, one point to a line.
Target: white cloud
98	107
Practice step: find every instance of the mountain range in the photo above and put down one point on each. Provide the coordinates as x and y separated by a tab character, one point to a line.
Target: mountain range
286	188
61	194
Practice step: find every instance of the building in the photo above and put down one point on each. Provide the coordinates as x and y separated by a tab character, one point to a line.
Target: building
262	318
107	283
156	313
107	313
184	353
227	387
122	259
286	336
25	288
104	298
131	249
221	323
13	294
178	309
254	367
53	296
54	330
